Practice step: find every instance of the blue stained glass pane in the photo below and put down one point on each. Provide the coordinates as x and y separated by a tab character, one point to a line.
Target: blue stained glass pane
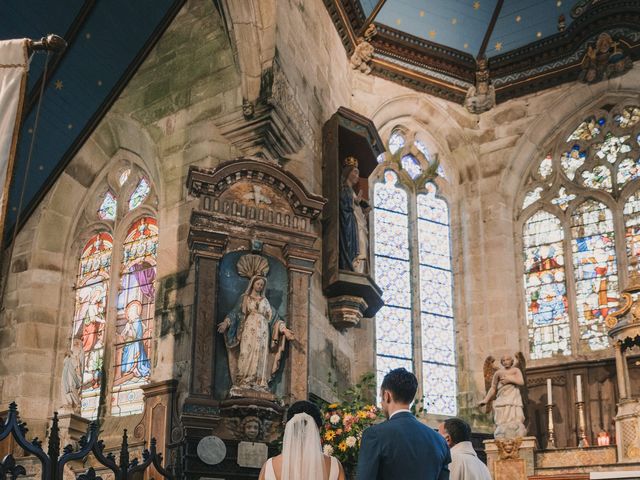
389	197
391	230
393	332
545	286
436	304
632	228
393	278
140	194
423	149
411	165
440	388
396	142
108	207
594	261
438	339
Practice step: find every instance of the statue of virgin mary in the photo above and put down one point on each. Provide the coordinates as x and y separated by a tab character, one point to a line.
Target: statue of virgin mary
255	337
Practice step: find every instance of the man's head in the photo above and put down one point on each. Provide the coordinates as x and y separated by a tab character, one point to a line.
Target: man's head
454	431
398	390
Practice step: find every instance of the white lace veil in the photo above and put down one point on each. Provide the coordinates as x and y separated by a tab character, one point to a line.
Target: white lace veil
301	452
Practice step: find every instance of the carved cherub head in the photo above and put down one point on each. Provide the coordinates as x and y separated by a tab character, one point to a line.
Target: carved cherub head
251	428
508	447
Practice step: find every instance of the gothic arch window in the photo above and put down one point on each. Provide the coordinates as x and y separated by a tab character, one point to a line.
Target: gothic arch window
412	264
117	264
579	219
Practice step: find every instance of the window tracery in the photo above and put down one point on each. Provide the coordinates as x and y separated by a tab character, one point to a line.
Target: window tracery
126	330
412	262
577	202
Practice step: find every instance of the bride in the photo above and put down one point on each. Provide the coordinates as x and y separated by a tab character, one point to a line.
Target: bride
302	457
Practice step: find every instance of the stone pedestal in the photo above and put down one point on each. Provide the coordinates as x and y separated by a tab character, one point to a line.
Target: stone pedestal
346	311
72	427
628	431
511	459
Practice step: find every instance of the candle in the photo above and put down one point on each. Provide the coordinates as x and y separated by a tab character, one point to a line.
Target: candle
579	387
549	392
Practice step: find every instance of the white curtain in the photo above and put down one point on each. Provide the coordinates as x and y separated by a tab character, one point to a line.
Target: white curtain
13	78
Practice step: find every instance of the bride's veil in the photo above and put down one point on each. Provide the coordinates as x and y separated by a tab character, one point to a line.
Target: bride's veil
301	452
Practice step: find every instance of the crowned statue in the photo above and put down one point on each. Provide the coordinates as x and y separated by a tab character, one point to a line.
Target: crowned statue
254	334
506	394
354	231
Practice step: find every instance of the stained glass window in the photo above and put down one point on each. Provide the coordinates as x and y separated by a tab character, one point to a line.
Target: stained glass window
108	207
411	165
394	337
602	161
545	287
140	194
92	286
134	317
396	142
124	175
595	271
632	228
436	304
423	149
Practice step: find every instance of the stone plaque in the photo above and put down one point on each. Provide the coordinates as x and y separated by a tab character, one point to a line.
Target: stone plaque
211	450
511	469
252	455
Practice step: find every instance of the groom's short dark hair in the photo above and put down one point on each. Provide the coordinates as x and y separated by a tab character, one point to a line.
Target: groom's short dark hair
402	384
458	430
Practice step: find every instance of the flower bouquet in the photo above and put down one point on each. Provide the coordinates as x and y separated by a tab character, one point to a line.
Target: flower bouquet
345	422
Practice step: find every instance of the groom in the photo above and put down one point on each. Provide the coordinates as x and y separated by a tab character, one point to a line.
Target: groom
402	448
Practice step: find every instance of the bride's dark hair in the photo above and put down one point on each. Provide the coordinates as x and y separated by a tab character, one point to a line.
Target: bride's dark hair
304	406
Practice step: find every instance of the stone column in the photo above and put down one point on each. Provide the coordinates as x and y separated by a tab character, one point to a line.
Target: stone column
300	264
621	371
207	250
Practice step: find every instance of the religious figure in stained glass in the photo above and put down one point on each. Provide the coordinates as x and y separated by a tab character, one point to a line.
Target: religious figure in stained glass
89	319
135	312
254	333
354	231
134	360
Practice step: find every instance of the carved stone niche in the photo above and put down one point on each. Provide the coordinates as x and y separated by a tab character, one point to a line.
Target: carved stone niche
349	140
254	221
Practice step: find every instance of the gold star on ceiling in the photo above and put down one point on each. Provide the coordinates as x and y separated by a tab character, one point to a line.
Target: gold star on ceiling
559	3
87	36
70	126
99	83
58	85
422	13
432	33
499	46
476	5
518	18
454	21
398	21
539	34
466	45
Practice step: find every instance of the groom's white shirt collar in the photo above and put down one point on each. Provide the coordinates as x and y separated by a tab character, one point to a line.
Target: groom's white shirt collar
399	411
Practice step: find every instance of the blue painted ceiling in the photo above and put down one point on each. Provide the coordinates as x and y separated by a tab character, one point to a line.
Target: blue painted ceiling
462	24
107	39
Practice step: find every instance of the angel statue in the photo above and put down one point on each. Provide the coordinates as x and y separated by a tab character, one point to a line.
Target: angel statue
254	334
506	390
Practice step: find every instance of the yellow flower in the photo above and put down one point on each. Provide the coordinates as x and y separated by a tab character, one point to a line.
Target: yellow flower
333	405
329	435
362	414
342	446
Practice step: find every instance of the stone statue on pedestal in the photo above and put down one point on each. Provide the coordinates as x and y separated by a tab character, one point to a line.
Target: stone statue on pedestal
254	334
506	390
71	383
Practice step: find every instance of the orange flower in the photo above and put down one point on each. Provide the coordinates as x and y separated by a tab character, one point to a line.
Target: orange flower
342	446
329	435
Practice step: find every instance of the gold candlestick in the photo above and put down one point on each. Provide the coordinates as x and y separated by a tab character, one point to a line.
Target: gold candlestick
582	435
551	436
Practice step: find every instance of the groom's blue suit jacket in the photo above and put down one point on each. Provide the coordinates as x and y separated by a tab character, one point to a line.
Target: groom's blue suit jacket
402	448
